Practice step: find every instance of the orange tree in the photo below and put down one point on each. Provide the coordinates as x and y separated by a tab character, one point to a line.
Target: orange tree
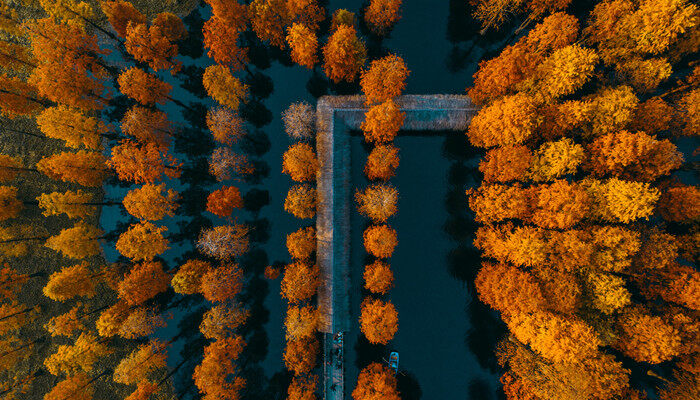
223	201
381	15
380	240
376	382
300	162
379	320
382	122
303	43
344	55
385	79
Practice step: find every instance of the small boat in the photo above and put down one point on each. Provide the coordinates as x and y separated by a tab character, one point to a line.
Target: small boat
394	361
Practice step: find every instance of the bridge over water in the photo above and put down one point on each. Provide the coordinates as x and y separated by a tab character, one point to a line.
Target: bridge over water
337	116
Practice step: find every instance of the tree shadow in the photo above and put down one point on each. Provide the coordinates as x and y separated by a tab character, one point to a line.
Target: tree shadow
255	112
192	45
256	199
367	353
317	85
259	84
191	77
256	143
408	386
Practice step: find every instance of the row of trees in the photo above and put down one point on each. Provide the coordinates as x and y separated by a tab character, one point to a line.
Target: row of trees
588	232
381	83
302	276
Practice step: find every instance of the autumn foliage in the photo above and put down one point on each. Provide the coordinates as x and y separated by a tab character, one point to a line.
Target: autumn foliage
223	201
344	54
381	15
382	122
380	240
379	320
376	382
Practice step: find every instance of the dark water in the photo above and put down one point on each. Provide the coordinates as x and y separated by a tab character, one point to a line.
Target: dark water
445	336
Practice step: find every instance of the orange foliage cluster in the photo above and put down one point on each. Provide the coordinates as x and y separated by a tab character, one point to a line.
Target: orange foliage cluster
572	194
223	201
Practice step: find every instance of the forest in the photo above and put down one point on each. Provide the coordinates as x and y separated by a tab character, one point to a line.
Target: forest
150	113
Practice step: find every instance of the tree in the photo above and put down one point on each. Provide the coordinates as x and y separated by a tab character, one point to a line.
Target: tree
268	19
566	70
141	363
376	382
303	44
301	201
690	112
226	164
652	116
140	323
383	122
223	87
553	160
222	320
644	75
496	202
148	126
616	200
14	316
507	163
10	206
151	202
120	14
382	15
509	289
379	320
559	205
633	156
300	162
385	79
646	338
608	292
85	168
76	387
222	283
378	277
300	282
143	87
306	12
11	282
142	283
188	278
75	204
18	98
377	202
145	163
144	391
343	55
70	282
142	241
614	247
561	289
609	110
221	37
80	357
171	26
303	388
216	375
507	121
382	162
151	45
302	243
300	355
224	200
72	126
15	57
70	70
500	75
65	324
380	240
557	338
225	125
111	319
680	204
224	242
9	167
342	17
301	322
299	120
80	241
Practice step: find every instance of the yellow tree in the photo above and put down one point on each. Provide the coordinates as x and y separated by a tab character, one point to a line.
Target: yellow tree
85	168
142	241
506	163
553	160
344	55
70	282
381	15
268	19
10	206
617	200
72	126
647	338
75	204
188	278
383	122
141	364
303	44
301	322
379	320
385	79
80	241
300	162
507	121
509	289
151	202
223	87
223	320
76	387
79	357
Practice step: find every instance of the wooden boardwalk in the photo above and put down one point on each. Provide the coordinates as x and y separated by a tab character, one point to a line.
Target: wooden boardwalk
336	116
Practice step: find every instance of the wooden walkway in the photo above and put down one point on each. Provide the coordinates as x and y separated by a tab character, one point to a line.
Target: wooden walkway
336	116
